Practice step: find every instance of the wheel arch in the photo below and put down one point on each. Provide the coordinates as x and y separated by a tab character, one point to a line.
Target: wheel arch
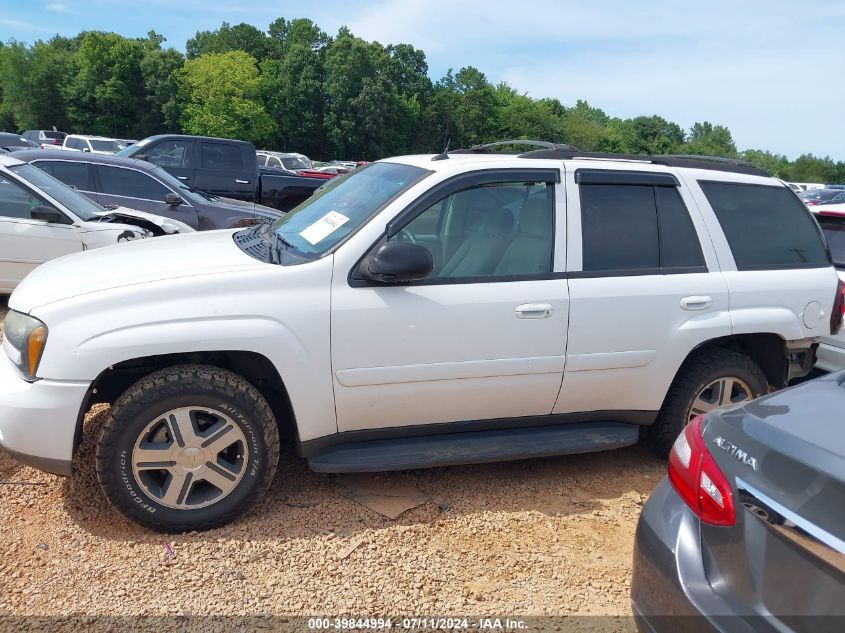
256	368
767	350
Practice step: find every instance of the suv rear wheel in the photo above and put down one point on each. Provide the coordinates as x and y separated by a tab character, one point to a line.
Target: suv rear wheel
187	448
707	380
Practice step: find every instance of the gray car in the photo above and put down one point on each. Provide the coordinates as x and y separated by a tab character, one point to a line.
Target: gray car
137	184
747	533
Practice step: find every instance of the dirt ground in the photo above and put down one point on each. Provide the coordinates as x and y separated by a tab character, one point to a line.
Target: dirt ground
542	537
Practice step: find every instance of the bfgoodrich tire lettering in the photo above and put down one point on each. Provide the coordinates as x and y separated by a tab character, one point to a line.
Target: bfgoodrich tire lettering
207	389
700	371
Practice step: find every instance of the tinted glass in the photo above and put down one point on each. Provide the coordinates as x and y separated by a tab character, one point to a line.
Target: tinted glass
170	154
293	162
116	181
105	146
15	201
261	160
495	230
834	232
679	245
221	156
619	227
82	206
55	135
337	209
766	226
74	174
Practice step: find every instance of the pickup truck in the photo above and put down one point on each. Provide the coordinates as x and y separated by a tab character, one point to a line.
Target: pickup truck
225	168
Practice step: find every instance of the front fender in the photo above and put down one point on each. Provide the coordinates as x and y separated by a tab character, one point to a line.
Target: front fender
280	314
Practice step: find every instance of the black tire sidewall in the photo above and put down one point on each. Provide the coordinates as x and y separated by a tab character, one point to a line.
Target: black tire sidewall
136	503
691	380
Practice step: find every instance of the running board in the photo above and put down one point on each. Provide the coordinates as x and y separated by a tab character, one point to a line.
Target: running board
475	447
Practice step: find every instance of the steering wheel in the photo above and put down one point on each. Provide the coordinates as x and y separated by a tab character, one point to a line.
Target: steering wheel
404	235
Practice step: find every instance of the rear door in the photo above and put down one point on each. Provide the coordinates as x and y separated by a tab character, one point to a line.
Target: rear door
123	186
227	169
645	289
176	156
26	243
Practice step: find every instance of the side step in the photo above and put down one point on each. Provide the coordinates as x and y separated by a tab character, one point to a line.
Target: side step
475	447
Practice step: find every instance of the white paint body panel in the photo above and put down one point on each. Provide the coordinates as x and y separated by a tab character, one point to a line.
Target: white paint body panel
369	357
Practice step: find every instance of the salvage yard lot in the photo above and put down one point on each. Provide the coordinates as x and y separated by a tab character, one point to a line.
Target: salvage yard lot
542	537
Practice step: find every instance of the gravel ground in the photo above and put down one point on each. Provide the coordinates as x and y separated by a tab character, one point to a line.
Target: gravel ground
541	537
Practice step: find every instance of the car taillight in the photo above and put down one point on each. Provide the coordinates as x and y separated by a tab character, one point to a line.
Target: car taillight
812	202
697	479
838	314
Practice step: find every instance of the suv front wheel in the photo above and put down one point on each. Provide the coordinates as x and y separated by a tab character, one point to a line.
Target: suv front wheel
187	448
707	380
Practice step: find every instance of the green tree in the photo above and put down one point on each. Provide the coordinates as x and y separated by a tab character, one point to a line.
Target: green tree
240	37
220	95
710	140
105	94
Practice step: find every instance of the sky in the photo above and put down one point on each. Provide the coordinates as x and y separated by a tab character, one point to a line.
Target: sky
770	70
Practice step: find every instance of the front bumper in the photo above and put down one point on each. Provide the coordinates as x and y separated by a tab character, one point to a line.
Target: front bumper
38	420
669	589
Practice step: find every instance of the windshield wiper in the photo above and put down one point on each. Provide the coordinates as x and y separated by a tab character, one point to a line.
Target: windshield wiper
200	192
277	245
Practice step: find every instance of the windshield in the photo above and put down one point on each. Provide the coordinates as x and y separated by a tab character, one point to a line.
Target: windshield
84	208
292	162
105	146
834	232
343	205
132	149
820	194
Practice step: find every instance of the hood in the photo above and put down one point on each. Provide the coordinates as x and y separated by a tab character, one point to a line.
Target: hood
247	208
134	262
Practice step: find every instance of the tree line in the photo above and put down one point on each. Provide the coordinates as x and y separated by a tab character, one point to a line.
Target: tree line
293	87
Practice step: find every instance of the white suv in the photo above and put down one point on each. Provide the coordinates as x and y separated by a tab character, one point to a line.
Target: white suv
422	311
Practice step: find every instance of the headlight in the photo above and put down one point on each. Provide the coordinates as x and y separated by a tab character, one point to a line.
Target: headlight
27	336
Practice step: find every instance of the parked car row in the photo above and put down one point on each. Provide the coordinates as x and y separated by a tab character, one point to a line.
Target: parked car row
42	219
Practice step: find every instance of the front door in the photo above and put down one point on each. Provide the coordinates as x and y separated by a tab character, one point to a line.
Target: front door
26	243
484	336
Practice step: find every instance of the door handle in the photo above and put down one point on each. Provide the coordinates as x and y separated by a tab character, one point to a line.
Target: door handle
696	303
182	177
241	182
534	311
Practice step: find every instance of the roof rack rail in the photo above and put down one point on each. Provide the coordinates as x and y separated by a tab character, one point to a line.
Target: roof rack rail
485	148
714	163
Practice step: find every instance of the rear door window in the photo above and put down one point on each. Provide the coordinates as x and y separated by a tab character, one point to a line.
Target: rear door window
767	227
221	156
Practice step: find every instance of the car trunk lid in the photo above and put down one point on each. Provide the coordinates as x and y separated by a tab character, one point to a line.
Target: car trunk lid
784	455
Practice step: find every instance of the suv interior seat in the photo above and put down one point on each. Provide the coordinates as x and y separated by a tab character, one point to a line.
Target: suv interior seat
481	251
528	253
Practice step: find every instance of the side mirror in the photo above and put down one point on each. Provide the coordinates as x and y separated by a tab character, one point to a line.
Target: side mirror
141	157
173	199
85	149
397	262
48	214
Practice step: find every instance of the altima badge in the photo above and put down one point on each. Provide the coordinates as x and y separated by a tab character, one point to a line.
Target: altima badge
736	451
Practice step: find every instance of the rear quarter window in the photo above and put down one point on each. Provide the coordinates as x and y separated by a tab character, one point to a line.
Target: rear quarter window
767	227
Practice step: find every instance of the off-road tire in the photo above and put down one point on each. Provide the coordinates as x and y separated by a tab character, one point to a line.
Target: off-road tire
697	372
180	386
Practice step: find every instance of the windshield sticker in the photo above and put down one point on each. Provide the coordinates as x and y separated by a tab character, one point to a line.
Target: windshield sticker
324	227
